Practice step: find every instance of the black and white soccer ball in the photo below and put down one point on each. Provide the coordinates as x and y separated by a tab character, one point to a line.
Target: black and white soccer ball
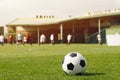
74	63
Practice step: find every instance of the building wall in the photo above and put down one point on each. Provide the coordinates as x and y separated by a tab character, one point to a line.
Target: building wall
78	31
1	30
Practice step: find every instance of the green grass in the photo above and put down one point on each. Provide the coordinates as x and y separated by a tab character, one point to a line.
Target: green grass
44	62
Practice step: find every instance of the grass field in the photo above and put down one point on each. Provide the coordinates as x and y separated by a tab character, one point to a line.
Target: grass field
44	62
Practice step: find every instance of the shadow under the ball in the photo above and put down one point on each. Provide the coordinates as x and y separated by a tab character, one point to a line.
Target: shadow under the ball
91	74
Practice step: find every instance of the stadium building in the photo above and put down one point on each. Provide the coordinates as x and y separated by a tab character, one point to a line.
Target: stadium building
1	30
83	29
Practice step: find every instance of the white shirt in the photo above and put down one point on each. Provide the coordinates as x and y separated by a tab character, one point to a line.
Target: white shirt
25	39
51	37
69	37
99	37
42	38
1	38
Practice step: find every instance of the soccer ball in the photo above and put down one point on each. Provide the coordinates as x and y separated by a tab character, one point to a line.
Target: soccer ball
74	64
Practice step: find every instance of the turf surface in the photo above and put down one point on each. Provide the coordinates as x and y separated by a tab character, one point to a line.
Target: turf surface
44	62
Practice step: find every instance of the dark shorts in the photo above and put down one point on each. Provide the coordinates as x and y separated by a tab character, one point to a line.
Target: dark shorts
19	40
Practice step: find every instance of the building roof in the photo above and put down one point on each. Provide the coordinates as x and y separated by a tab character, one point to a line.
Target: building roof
34	21
94	16
48	21
100	15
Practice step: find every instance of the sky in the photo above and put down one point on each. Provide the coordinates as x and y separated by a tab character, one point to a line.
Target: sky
12	9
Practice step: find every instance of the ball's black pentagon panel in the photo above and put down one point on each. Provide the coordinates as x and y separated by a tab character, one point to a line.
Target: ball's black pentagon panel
82	63
73	54
70	66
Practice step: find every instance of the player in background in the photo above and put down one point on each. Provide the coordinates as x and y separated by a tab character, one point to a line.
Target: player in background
29	39
52	39
19	38
11	39
42	39
24	39
69	38
1	40
99	39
